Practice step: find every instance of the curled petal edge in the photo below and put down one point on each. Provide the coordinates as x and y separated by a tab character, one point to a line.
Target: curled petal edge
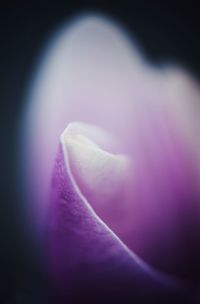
86	255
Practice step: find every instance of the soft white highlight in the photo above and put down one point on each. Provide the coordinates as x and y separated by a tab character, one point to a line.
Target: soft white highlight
95	170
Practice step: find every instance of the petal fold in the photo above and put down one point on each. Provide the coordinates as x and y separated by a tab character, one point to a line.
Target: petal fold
86	259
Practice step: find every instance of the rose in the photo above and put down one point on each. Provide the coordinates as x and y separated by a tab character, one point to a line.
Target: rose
111	196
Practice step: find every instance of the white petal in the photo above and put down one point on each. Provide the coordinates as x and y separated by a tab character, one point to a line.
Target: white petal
98	173
91	72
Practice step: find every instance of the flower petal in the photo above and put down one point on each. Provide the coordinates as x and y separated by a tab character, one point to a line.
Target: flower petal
101	175
87	74
93	73
86	259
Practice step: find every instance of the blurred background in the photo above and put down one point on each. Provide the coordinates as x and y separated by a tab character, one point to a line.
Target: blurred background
166	31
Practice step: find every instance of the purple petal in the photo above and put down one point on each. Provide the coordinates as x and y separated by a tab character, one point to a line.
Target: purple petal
86	259
92	73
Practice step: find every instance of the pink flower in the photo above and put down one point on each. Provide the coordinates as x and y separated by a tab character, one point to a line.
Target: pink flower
112	167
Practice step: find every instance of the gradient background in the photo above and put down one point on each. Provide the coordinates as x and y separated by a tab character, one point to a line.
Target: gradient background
167	32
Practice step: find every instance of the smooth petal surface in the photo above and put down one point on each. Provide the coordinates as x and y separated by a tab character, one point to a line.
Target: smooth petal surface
92	73
86	75
86	259
102	176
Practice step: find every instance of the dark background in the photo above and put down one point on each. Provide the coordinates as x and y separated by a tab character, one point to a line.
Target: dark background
166	31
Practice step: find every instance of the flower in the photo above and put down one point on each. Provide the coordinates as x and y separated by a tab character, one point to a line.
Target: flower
118	195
